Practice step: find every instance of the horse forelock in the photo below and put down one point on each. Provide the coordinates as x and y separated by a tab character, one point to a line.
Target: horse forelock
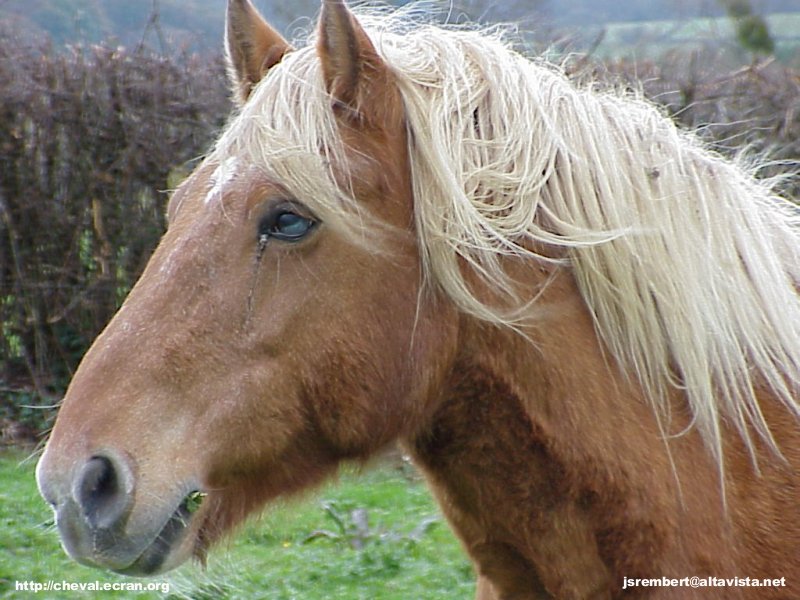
688	264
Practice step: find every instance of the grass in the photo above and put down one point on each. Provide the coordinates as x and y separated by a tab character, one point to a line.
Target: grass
371	536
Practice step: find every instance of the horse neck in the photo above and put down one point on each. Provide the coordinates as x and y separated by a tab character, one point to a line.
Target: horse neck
556	383
540	442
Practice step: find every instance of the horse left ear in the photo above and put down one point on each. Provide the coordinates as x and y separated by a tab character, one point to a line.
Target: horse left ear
252	47
356	77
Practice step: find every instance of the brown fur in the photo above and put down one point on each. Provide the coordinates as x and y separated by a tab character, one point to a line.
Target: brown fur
552	501
542	453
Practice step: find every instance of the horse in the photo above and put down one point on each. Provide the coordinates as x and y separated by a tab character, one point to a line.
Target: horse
581	323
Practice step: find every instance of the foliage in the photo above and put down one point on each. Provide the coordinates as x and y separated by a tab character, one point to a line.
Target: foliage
268	558
753	34
751	29
355	531
88	142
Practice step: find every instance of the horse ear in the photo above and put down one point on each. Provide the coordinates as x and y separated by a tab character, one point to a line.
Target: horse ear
354	72
252	47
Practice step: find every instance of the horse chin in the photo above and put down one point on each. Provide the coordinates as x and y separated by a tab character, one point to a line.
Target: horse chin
173	542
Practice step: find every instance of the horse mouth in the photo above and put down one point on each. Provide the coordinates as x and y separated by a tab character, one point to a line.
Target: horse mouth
152	560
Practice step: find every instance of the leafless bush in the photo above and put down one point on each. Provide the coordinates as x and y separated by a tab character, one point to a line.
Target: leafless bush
89	140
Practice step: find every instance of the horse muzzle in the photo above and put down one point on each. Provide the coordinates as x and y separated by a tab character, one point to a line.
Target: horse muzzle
100	525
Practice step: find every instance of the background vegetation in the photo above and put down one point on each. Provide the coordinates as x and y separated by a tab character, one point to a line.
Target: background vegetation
197	24
89	141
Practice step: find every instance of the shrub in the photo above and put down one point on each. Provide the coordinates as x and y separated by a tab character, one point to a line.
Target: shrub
89	141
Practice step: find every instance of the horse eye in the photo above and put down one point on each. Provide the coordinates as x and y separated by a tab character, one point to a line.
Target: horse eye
283	223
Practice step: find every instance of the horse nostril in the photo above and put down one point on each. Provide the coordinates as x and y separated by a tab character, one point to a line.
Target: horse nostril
102	491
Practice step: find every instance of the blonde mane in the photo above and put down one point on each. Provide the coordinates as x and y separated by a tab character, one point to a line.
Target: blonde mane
687	263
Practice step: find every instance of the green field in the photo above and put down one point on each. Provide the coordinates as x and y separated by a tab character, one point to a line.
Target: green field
315	548
654	38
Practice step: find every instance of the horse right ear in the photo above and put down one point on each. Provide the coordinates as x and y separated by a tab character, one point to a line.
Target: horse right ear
252	47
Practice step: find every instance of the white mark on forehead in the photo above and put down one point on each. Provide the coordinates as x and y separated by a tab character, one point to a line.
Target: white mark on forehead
224	173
